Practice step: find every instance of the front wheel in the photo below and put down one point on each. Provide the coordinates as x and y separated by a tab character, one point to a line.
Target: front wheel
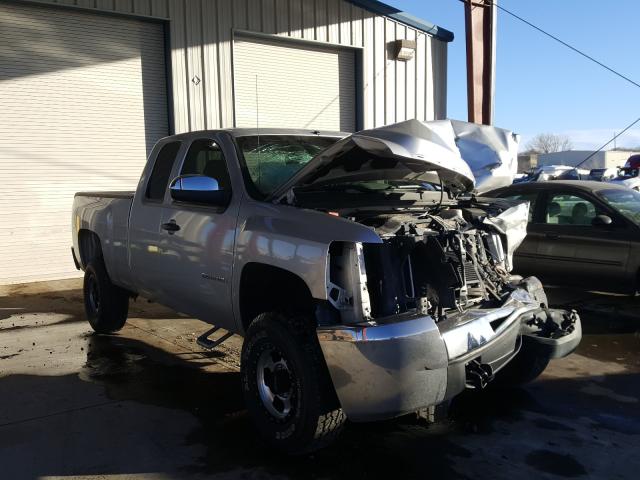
524	368
286	385
106	305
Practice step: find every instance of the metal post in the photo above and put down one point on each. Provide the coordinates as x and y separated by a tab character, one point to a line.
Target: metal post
480	23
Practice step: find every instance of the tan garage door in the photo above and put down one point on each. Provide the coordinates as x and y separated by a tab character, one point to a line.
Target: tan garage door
293	85
82	100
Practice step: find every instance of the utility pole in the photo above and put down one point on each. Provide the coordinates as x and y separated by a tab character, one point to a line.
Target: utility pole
481	29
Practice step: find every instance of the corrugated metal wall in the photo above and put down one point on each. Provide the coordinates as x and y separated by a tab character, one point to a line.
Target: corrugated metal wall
201	33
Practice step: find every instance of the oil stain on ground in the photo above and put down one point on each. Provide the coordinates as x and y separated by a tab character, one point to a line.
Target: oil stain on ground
555	463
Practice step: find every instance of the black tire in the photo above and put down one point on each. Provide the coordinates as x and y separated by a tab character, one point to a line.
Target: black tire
314	417
105	304
524	368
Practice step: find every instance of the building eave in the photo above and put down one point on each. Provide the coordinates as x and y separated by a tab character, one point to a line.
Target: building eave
380	8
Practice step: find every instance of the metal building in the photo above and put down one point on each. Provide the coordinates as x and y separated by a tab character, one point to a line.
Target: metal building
87	87
601	159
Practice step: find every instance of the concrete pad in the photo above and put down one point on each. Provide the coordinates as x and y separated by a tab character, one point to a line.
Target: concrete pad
148	403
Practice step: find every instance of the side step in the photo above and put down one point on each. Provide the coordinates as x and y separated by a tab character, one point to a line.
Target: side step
205	342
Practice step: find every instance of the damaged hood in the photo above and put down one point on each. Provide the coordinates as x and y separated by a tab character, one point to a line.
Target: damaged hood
461	155
490	152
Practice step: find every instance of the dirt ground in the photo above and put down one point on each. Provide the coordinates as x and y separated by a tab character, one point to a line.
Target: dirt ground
149	403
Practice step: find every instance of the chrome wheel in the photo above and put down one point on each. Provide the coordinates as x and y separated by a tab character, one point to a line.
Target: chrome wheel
275	383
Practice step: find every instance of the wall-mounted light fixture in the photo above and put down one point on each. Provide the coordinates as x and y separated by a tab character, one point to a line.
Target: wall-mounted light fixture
405	49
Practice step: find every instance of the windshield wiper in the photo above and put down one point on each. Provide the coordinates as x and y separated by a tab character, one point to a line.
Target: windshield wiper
340	187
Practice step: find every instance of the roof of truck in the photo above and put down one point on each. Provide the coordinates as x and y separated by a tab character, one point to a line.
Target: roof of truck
242	132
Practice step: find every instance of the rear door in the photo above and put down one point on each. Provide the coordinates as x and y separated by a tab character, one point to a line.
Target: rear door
146	236
571	249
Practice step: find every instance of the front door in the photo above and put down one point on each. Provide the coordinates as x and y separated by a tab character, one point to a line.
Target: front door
574	251
199	252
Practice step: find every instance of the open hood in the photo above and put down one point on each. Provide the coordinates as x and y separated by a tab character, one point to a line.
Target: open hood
437	151
490	152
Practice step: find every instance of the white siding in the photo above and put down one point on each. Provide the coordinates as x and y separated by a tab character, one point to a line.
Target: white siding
83	100
292	85
392	89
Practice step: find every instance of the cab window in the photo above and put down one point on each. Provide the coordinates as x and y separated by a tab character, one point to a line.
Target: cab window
565	209
206	158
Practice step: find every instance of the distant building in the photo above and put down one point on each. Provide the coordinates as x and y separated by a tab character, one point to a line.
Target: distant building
527	161
603	159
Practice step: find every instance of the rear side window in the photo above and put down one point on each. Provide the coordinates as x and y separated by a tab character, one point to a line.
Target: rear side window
565	209
157	184
525	197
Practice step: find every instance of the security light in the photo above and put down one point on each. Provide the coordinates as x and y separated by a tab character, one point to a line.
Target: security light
405	49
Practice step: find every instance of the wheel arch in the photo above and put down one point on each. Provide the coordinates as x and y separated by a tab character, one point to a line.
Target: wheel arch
89	246
265	288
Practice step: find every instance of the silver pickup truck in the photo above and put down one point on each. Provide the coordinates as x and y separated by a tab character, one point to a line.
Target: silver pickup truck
367	280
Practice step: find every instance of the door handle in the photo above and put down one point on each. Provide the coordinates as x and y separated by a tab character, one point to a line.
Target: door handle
171	226
552	236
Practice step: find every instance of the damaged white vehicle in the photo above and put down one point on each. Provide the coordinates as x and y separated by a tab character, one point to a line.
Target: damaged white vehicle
367	279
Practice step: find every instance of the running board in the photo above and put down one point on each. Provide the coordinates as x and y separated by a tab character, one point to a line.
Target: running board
205	342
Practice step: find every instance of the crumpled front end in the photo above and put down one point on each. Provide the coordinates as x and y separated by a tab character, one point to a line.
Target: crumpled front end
400	364
432	309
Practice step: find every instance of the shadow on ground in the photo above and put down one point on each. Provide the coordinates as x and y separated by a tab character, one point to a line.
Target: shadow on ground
192	422
67	303
126	406
600	312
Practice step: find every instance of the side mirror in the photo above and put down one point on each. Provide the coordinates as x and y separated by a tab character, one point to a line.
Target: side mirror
199	189
601	221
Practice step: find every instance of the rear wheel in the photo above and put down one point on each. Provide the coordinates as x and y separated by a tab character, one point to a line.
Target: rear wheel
106	305
286	385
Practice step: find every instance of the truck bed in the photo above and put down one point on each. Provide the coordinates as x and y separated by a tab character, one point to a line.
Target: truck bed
107	215
124	195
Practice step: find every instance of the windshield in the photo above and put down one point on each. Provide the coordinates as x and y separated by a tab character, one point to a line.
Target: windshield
271	160
627	202
418	183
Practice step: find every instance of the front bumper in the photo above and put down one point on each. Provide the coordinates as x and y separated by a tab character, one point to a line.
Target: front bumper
403	363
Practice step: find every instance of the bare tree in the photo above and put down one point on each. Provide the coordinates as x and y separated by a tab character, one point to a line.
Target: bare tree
549	143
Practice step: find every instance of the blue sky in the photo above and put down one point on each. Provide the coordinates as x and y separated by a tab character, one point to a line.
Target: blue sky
542	86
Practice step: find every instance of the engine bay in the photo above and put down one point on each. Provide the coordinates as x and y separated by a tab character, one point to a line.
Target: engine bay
437	263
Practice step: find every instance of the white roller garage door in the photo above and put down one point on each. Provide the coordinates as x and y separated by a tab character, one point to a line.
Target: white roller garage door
298	85
82	100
